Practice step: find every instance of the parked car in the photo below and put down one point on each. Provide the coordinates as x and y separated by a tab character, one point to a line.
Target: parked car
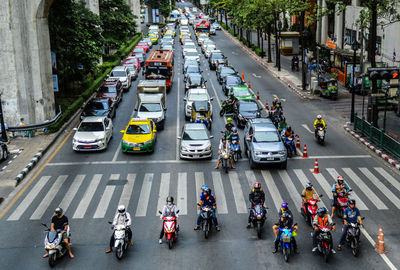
112	89
245	110
195	94
99	107
123	74
223	71
230	81
93	134
263	144
195	80
195	142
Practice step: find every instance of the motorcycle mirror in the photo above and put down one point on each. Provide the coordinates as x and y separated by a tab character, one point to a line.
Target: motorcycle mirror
44	225
362	218
321	195
177	212
198	204
109	222
159	212
126	220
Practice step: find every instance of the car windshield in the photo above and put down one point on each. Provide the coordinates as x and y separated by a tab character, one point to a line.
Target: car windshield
248	107
138	50
118	74
97	105
139	55
189	46
192	69
192	135
203	36
210	47
108	89
195	79
138	129
198	97
266	136
131	67
131	61
192	54
241	93
227	70
150	107
143	44
231	80
91	126
217	56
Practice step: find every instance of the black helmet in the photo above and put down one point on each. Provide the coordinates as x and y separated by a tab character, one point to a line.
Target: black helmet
170	199
58	211
289	129
322	211
352	202
206	190
285	215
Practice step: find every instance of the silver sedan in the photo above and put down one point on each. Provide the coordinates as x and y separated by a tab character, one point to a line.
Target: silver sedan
195	142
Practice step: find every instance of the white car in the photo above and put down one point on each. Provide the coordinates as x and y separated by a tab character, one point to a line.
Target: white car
195	142
93	134
201	38
206	43
123	74
195	94
192	55
187	50
208	50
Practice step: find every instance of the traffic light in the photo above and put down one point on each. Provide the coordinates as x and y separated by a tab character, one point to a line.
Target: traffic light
384	73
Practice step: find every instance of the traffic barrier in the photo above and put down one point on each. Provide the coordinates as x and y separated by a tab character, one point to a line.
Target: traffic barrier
380	244
316	168
305	155
298	142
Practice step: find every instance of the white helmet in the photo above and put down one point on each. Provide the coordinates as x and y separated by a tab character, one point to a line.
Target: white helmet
121	209
319	116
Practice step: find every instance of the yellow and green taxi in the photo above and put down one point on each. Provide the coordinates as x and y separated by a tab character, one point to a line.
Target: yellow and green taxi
183	33
169	32
139	136
153	38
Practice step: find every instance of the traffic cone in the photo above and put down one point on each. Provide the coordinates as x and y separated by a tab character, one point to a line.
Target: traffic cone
249	84
380	244
316	169
298	142
258	95
243	76
305	155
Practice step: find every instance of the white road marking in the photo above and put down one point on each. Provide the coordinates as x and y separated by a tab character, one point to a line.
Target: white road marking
324	184
84	203
141	209
216	97
272	189
73	189
307	128
360	204
182	193
199	180
46	201
119	145
241	206
178	120
104	202
303	179
365	189
164	191
127	190
219	193
394	182
19	211
251	178
255	75
294	194
393	198
114	176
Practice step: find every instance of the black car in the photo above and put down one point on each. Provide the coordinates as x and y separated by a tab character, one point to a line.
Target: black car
223	71
194	80
99	107
245	110
215	59
231	81
191	69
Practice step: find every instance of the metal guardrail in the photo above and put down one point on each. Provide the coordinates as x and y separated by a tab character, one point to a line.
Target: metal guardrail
377	136
37	126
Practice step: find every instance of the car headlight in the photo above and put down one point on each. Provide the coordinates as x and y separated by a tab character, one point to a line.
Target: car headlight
257	153
209	147
282	152
240	117
74	140
147	142
183	148
99	140
189	107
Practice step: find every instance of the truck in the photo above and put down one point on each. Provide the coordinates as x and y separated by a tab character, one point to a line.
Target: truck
151	96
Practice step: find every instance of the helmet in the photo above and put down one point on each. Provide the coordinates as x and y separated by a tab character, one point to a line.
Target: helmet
223	138
340	178
229	120
289	129
232	95
204	187
58	211
257	185
206	190
319	116
170	199
285	215
322	211
275	99
284	205
309	186
121	209
234	129
352	202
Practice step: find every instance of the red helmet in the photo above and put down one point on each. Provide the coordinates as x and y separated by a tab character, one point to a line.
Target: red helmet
257	185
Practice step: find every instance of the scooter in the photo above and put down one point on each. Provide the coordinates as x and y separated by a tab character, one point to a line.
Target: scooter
225	161
170	229
342	202
121	241
320	134
225	108
206	220
295	65
353	237
285	243
324	241
258	217
291	149
311	210
54	245
235	150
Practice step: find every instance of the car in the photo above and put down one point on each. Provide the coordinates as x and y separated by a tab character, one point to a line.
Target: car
205	44
194	80
112	89
186	50
215	59
93	134
123	74
167	47
188	46
212	30
191	69
191	19
195	94
133	70
3	151
195	142
169	32
223	71
167	40
209	49
245	110
216	25
139	56
139	136
230	81
99	107
139	50
149	42
153	37
263	144
185	38
131	60
241	93
144	45
189	62
201	38
192	55
184	33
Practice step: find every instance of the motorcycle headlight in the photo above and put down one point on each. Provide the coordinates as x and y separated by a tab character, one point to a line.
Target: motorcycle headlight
258	216
189	107
225	156
257	153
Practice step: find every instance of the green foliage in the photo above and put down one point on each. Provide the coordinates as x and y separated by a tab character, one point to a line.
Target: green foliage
259	52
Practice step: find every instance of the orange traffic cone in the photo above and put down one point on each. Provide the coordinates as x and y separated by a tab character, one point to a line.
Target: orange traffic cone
380	244
249	84
243	76
258	95
305	155
298	142
266	105
316	169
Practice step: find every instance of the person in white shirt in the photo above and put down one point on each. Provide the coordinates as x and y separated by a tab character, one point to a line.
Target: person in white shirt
121	218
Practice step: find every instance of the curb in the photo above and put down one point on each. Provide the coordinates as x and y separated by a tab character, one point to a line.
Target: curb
29	167
257	58
380	153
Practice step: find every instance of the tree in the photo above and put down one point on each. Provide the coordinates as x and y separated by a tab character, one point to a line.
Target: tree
75	37
118	22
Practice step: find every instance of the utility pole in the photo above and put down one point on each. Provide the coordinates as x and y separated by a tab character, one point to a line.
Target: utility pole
303	65
354	46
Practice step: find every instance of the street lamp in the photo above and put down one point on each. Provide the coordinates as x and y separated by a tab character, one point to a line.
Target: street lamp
279	45
354	46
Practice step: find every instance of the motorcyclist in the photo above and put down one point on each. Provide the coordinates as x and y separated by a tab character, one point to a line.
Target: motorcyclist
60	222
207	200
309	193
350	215
230	101
168	210
235	136
289	132
285	209
256	196
228	127
224	147
295	62
122	217
282	124
337	188
284	221
319	122
322	219
204	187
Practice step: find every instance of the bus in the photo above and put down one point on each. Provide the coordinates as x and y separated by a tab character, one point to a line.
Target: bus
203	26
160	66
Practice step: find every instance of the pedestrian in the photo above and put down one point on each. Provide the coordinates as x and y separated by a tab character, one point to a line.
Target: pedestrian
21	124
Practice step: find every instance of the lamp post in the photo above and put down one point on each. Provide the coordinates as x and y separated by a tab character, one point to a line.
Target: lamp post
279	45
354	46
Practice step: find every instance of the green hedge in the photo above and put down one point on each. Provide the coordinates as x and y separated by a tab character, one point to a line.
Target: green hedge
92	83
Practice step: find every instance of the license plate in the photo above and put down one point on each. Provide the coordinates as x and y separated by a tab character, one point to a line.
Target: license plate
87	147
136	148
195	156
270	158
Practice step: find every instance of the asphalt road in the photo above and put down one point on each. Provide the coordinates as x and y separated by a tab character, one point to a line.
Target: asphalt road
89	186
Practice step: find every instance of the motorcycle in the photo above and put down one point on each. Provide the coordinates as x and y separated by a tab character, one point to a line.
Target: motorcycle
121	241
353	237
342	202
291	148
170	229
324	241
295	65
258	217
320	134
225	108
54	245
235	150
285	242
311	210
225	161
206	220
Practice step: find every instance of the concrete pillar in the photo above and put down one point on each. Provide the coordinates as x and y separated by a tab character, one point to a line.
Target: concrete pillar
355	3
324	24
135	7
339	27
93	5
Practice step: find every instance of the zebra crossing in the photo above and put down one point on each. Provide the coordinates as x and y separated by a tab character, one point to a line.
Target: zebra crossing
97	196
